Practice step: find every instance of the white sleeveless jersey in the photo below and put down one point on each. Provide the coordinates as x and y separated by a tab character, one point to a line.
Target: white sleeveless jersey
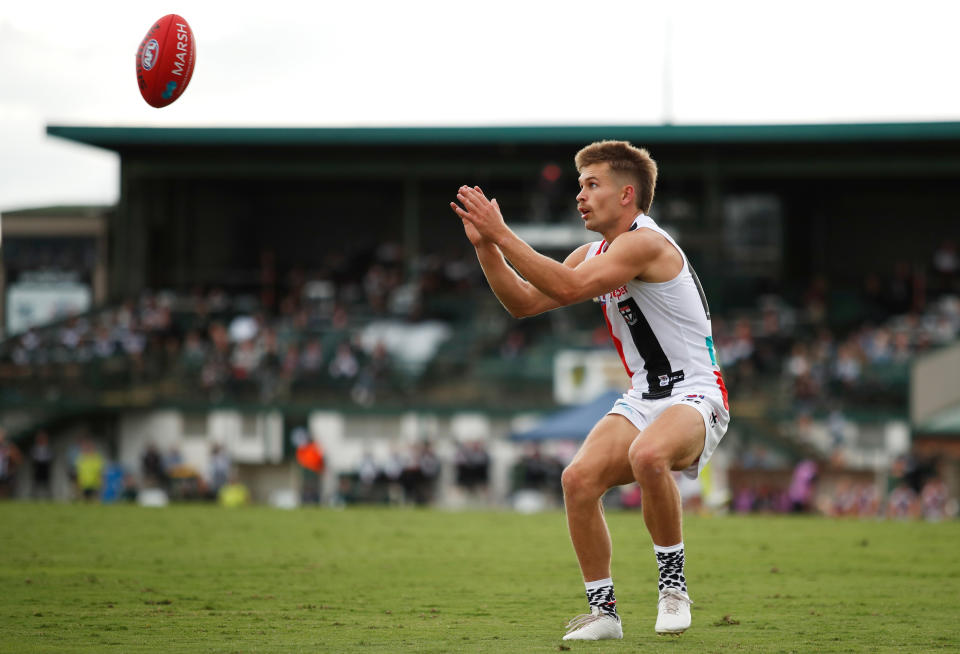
662	330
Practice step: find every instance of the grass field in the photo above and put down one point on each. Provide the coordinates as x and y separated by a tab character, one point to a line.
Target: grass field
78	578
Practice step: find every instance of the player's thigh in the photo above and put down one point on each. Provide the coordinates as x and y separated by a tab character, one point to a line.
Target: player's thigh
676	435
603	458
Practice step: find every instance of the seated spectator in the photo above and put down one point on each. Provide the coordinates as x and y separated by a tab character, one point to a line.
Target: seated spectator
473	466
344	364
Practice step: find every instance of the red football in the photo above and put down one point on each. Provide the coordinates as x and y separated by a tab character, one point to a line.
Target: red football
165	60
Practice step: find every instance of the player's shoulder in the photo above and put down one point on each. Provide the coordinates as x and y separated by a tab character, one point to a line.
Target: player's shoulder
643	239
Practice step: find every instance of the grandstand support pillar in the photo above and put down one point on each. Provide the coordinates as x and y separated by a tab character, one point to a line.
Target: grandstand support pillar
411	224
713	210
122	232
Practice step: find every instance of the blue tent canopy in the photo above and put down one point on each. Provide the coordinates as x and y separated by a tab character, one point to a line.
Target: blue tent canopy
573	423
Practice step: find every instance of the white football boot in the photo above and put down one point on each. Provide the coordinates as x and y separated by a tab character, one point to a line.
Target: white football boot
673	611
595	625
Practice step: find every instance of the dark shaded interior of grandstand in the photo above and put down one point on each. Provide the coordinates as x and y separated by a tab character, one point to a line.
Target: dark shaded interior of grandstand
203	206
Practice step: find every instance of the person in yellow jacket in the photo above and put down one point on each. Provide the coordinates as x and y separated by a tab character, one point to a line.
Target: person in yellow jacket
233	494
90	466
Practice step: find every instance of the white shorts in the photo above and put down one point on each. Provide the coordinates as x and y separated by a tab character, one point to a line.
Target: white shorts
642	412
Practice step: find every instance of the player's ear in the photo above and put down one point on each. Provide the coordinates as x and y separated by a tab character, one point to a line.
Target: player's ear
627	195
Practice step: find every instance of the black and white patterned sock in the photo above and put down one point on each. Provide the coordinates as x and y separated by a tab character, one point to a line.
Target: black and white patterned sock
600	594
670	562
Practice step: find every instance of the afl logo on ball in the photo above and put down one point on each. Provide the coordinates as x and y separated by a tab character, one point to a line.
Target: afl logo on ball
149	54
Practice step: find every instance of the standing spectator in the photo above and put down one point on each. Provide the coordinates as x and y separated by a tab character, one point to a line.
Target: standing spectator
216	369
270	365
244	360
429	467
89	470
290	362
847	367
9	460
935	499
193	353
154	472
311	358
372	376
815	300
219	468
900	291
368	475
41	458
311	459
946	266
873	300
868	500
800	492
903	502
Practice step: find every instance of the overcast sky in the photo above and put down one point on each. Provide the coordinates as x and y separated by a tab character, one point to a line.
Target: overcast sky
489	62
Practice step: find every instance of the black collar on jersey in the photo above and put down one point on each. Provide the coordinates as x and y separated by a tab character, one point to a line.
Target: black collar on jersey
636	221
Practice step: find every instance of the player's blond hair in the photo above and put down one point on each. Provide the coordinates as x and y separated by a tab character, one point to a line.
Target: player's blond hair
631	162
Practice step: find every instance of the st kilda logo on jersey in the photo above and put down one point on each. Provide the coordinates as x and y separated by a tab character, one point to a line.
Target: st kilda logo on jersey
629	315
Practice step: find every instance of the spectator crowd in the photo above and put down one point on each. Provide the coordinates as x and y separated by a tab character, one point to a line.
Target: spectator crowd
250	345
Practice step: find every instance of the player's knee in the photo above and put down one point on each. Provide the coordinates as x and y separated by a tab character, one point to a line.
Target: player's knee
647	460
577	483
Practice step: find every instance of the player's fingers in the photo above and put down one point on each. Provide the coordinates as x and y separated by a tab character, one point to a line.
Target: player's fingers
468	199
473	200
472	191
465	215
457	210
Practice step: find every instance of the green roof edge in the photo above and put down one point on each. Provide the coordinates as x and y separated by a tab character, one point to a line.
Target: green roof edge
115	138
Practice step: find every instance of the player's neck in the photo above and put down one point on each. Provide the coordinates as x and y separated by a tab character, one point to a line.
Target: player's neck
623	225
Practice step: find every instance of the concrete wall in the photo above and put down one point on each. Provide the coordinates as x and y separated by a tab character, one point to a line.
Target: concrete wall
934	383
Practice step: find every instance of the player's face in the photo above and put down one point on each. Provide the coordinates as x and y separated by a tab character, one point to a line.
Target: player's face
599	198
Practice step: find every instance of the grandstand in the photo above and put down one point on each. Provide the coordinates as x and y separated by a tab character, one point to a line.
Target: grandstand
251	281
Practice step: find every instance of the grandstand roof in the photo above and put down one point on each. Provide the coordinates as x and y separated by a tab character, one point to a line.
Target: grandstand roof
118	138
59	211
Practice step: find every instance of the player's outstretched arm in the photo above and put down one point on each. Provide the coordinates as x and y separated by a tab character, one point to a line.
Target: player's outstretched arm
581	279
520	298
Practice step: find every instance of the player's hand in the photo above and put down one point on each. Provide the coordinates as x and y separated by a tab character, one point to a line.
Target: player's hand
480	213
476	239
